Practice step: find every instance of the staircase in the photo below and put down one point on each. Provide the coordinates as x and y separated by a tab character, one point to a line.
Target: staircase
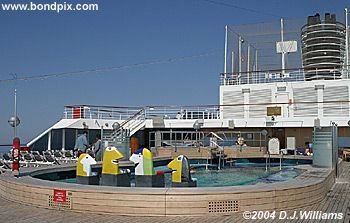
120	137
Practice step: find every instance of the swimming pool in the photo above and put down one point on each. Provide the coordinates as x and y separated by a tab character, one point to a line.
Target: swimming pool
243	176
243	172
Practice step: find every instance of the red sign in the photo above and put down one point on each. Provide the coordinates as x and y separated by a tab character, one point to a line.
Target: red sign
59	195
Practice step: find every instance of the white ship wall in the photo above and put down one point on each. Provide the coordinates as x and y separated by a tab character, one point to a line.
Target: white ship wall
246	105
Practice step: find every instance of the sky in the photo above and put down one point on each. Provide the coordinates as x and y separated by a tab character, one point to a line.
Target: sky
123	32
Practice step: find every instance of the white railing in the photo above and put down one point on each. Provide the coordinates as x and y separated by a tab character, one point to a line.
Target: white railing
125	113
288	75
99	112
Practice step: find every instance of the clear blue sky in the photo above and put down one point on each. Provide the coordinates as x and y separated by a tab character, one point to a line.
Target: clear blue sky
123	32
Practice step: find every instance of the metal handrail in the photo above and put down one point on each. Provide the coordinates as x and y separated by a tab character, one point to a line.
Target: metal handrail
149	112
286	75
134	118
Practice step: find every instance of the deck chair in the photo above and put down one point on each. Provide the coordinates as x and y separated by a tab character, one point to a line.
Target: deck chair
47	152
346	154
28	159
4	165
7	157
68	155
57	154
38	159
35	152
50	159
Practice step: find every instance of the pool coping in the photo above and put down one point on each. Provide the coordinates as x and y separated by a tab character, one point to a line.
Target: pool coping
309	187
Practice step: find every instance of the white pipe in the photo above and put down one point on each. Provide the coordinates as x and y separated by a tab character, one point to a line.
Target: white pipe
248	61
225	56
282	48
239	54
15	127
232	61
49	140
346	43
63	139
256	59
239	59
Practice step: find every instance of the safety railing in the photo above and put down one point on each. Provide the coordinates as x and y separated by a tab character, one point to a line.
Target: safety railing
149	112
287	75
220	139
99	112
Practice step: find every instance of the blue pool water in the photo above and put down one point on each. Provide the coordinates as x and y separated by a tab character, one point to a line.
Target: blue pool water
242	176
230	176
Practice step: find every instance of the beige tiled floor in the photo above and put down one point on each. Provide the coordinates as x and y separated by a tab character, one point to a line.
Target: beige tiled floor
337	201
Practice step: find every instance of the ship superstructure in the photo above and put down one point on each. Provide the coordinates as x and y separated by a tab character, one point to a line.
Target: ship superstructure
306	86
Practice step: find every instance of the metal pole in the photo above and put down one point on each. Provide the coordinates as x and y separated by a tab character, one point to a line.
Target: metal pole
232	61
102	143
346	43
282	48
239	54
281	162
239	58
63	139
248	61
49	134
256	59
225	56
15	128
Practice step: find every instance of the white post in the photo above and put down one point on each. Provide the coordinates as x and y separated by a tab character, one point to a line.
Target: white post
102	142
239	54
15	127
232	61
256	60
248	61
49	140
239	58
346	43
225	56
63	139
282	48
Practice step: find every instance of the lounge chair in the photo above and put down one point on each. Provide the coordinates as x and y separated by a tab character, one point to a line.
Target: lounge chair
57	154
38	158
68	155
346	154
50	159
4	165
28	159
7	157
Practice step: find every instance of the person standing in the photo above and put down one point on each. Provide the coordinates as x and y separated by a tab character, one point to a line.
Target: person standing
98	148
81	143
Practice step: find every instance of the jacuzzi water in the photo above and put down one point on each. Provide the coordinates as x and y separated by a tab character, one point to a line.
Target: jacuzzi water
231	176
242	176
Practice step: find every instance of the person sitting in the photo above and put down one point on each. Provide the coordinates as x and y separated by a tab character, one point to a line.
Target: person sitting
240	140
308	151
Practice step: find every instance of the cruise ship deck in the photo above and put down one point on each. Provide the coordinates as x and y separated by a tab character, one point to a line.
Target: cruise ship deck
336	201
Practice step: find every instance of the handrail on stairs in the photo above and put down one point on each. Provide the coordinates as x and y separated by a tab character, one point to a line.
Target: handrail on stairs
131	118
